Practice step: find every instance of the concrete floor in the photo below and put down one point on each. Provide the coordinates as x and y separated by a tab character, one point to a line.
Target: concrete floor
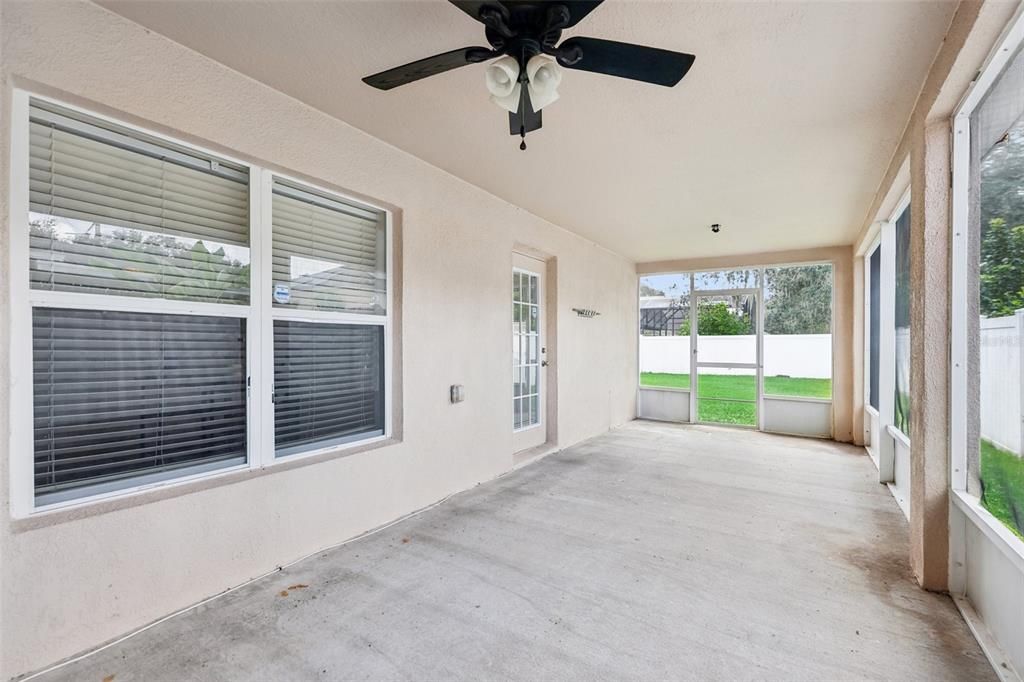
652	552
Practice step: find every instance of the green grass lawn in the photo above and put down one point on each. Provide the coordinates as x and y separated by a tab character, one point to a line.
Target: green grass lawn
718	391
1002	480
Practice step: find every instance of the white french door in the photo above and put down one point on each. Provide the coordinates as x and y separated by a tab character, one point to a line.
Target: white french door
528	353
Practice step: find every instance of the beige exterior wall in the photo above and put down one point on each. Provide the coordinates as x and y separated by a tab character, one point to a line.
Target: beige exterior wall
841	258
76	580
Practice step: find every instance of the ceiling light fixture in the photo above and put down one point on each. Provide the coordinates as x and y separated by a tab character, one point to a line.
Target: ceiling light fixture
525	38
544	76
502	77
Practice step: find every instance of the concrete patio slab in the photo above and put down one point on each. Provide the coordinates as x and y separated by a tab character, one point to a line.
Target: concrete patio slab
655	551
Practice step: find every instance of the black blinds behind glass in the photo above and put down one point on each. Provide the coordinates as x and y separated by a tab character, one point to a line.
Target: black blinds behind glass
328	384
124	398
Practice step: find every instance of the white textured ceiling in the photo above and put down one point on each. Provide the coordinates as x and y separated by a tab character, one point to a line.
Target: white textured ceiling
781	131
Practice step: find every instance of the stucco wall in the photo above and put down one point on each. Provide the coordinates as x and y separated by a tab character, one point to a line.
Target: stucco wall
71	585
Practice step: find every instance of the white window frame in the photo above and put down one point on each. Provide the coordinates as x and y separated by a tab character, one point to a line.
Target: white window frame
258	315
270	313
970	505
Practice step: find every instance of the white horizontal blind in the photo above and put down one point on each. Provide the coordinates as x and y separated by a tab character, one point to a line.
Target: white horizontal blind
125	398
328	254
328	384
116	212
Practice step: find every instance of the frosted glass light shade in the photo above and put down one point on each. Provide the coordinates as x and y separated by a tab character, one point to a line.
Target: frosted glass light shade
502	77
544	76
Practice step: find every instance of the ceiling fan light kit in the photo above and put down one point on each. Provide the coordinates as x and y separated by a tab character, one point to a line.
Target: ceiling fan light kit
524	36
543	76
502	78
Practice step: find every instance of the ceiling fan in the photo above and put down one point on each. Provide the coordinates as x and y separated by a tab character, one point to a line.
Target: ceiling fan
523	37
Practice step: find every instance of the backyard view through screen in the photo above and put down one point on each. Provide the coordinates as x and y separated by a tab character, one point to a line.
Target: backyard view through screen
734	387
997	473
797	338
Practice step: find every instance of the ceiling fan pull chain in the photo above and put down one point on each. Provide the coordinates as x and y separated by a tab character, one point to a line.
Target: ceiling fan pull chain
522	134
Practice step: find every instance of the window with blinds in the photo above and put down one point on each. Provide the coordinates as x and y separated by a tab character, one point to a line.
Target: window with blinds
138	293
126	398
116	212
328	254
328	384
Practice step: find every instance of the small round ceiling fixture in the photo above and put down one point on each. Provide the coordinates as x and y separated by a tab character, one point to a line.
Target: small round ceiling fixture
716	228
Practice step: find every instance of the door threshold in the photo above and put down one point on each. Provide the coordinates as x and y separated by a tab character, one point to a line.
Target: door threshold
531	455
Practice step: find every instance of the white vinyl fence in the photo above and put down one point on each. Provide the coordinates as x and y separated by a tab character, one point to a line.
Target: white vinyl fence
794	355
1001	417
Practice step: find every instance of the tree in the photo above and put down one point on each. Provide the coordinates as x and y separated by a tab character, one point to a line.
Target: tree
799	301
1002	225
1002	177
650	291
717	319
1002	269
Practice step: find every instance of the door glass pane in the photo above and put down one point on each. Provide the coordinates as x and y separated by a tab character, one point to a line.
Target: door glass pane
665	330
727	396
526	345
798	331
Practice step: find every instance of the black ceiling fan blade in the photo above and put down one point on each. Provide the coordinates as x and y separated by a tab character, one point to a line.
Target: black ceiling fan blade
431	66
526	120
625	60
473	7
577	8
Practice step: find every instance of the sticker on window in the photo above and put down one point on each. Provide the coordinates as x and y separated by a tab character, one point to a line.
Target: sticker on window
282	294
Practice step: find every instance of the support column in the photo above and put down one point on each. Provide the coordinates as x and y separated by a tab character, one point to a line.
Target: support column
929	352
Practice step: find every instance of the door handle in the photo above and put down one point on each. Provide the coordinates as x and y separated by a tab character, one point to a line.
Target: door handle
543	363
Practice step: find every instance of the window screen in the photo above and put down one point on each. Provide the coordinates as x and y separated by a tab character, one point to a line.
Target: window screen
901	418
328	384
328	254
127	398
116	212
797	351
995	300
875	323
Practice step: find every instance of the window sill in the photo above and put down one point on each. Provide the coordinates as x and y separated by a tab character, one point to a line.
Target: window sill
898	435
87	508
1010	545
